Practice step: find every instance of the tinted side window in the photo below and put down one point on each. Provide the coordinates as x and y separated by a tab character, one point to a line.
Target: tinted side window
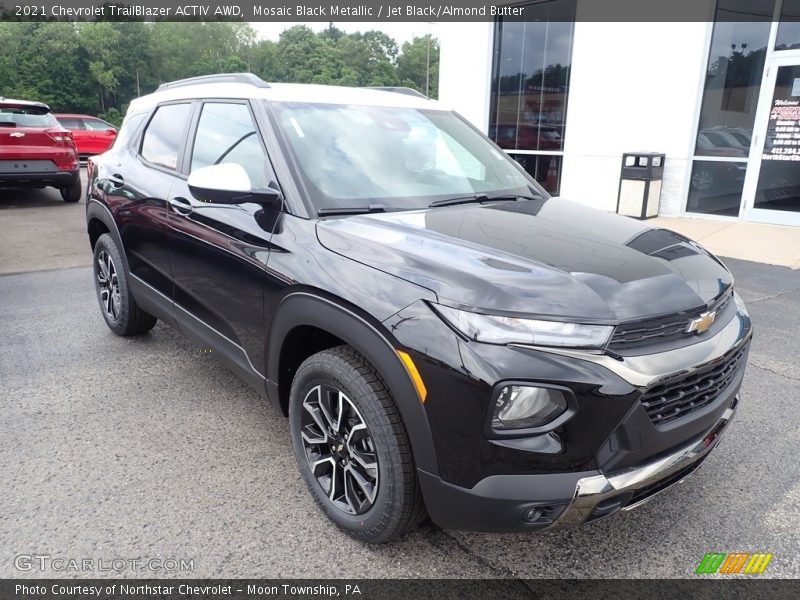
129	128
165	133
97	125
226	133
70	123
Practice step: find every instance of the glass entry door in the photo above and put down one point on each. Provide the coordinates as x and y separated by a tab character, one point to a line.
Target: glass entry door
772	187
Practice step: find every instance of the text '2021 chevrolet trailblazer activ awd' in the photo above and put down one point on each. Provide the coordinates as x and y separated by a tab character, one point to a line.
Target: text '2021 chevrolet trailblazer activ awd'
444	337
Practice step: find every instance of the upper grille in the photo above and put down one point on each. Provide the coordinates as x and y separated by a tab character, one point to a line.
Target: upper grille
661	329
683	394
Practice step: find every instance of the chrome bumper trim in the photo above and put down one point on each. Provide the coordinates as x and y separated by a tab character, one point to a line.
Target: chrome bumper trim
644	370
591	491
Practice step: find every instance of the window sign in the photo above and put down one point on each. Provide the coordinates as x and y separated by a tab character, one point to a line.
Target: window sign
783	132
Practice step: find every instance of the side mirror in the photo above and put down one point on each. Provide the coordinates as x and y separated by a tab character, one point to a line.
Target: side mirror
111	131
227	184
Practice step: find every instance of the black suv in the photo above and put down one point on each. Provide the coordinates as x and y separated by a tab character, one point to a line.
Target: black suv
444	338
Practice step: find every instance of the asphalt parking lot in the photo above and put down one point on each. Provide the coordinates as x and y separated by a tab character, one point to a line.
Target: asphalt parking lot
147	448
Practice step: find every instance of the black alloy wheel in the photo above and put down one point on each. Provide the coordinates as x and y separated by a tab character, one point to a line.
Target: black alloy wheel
352	447
339	449
118	306
108	286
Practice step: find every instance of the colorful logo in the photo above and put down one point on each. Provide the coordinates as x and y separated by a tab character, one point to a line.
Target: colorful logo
734	562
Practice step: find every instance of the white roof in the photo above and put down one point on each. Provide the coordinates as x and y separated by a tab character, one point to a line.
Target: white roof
287	92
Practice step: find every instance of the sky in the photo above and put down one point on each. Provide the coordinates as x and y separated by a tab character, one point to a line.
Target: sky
401	32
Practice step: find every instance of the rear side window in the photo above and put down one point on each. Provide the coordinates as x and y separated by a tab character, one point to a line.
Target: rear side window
97	125
165	133
227	133
129	128
71	123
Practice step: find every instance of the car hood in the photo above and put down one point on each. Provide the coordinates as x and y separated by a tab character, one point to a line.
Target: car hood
537	257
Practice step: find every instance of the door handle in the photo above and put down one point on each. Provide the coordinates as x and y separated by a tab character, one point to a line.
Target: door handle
116	180
181	205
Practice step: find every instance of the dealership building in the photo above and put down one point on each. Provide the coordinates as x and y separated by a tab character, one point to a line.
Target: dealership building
567	96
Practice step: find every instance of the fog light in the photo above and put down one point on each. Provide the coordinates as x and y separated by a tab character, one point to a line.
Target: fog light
520	407
530	514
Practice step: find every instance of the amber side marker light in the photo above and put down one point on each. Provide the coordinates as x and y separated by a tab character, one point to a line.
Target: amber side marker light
414	374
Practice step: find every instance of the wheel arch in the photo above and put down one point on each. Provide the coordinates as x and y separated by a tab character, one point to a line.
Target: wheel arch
99	220
338	323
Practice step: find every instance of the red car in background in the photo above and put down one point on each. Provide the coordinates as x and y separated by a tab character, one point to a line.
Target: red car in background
92	135
36	151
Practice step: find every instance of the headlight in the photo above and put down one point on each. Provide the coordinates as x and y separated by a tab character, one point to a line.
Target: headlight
494	329
520	407
740	304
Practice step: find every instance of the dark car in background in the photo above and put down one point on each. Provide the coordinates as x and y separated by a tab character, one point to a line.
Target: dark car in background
36	151
444	337
92	135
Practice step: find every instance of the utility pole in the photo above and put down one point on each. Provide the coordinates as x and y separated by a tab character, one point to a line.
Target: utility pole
428	65
428	62
138	91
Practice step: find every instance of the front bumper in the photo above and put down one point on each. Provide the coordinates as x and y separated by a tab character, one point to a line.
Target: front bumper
611	454
501	503
601	495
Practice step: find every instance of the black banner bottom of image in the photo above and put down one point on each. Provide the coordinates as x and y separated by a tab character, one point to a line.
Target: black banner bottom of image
380	589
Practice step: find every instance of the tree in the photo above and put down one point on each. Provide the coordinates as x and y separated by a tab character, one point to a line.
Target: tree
98	67
100	41
418	65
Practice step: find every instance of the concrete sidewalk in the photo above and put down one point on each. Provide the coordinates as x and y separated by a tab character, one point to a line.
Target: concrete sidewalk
756	242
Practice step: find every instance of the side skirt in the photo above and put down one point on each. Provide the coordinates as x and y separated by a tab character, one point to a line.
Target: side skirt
226	350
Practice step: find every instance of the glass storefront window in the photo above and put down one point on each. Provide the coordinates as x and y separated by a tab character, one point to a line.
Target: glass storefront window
531	83
530	86
716	187
789	28
544	168
730	99
779	179
733	78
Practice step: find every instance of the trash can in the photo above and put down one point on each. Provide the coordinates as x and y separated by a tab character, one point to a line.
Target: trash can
640	184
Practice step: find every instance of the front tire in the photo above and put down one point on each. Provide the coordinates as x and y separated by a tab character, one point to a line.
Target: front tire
352	448
71	193
120	311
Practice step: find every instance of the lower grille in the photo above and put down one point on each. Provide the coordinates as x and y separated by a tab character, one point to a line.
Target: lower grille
680	395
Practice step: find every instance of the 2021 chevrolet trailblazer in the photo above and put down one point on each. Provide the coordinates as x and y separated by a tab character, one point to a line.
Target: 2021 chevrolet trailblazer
444	337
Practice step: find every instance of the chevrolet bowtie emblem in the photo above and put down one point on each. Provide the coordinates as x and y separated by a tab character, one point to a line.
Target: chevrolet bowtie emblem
17	134
702	323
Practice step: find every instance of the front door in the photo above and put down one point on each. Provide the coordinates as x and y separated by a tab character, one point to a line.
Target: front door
772	188
219	252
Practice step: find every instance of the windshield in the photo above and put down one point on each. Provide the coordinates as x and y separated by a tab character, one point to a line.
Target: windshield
26	116
401	158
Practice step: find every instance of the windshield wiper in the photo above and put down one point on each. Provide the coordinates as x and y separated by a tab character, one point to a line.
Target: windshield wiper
352	210
459	200
514	197
480	198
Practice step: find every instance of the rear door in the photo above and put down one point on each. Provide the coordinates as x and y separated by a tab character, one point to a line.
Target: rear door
79	133
219	252
99	135
137	186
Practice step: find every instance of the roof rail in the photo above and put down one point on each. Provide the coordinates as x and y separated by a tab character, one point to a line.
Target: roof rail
246	78
399	90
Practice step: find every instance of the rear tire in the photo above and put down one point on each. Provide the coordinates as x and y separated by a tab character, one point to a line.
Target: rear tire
352	448
117	305
72	193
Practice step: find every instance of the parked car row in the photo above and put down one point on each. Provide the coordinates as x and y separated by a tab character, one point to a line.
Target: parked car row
40	149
